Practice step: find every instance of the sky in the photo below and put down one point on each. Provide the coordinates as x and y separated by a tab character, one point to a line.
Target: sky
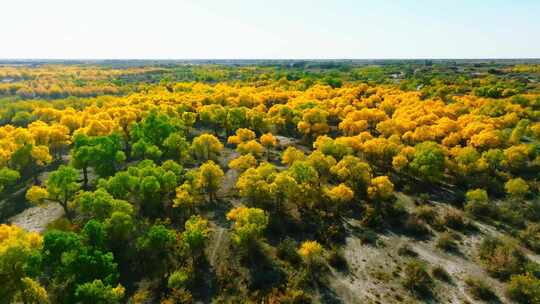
273	29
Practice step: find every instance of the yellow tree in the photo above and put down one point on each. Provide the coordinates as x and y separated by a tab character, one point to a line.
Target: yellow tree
242	163
292	154
206	147
250	147
242	135
311	253
313	123
380	188
208	179
18	249
268	141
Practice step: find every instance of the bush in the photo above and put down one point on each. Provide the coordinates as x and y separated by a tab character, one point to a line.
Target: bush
416	226
425	213
179	279
501	259
368	236
406	250
524	289
447	242
441	274
478	204
286	250
531	237
479	289
417	279
454	219
337	260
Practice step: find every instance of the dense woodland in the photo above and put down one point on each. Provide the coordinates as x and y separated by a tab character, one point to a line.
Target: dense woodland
264	182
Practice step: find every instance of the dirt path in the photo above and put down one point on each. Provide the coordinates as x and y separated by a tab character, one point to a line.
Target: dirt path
218	241
37	218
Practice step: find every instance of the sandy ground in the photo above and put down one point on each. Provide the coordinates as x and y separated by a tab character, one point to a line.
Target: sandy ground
37	218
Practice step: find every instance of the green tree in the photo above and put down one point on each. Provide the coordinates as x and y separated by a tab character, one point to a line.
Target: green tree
96	292
100	205
103	153
195	235
61	187
8	178
156	247
428	161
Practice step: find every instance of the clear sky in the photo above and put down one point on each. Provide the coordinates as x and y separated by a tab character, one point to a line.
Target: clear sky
256	29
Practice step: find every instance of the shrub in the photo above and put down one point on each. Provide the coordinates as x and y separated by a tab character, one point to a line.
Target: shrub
286	250
447	242
477	203
524	289
479	289
426	213
179	279
501	259
417	279
531	237
441	274
516	187
406	250
454	219
368	236
337	260
416	226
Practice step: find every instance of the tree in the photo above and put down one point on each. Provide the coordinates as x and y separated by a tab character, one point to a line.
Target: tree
209	177
19	252
322	163
176	146
268	141
156	246
516	187
340	194
250	147
195	235
155	128
313	123
249	225
120	185
254	184
284	187
28	159
236	118
119	226
337	148
428	161
104	153
477	203
242	163
311	252
101	205
8	178
242	135
291	155
354	172
33	292
61	187
214	116
524	288
99	293
381	188
206	147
